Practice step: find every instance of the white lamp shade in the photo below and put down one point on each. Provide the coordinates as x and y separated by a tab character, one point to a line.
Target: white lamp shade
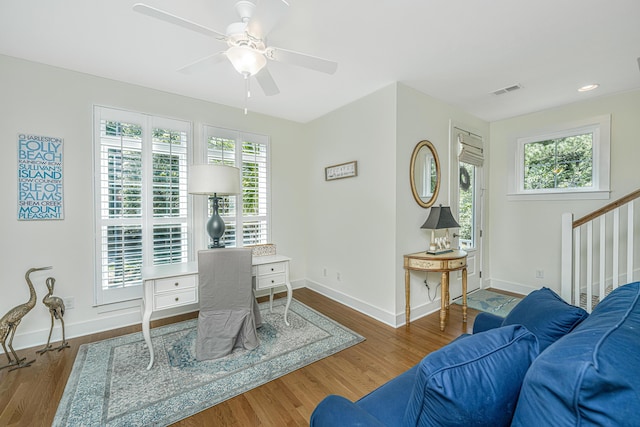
246	60
214	179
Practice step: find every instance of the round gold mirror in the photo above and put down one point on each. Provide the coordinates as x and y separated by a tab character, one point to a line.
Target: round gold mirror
425	174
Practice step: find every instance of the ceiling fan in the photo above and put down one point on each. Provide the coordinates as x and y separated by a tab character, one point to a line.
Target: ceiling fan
247	49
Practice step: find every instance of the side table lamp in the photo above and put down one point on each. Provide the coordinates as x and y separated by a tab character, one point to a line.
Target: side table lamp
440	217
215	180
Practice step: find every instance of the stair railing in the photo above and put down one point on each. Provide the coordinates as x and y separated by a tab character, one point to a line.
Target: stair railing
592	264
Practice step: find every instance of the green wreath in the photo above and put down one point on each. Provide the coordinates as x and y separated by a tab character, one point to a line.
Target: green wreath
465	179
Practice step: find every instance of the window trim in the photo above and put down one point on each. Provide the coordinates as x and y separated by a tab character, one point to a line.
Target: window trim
601	127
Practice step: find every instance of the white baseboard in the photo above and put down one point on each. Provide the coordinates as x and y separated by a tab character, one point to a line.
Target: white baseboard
394	320
354	303
512	287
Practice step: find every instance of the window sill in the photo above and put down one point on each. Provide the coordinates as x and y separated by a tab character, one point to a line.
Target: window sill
574	195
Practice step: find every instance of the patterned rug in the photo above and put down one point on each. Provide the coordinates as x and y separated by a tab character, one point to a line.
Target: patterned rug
110	385
491	302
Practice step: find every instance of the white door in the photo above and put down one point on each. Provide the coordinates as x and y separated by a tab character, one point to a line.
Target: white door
466	204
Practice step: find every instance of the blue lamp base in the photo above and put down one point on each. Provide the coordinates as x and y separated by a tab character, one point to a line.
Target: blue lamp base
215	226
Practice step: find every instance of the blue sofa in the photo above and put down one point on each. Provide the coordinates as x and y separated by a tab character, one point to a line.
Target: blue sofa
547	363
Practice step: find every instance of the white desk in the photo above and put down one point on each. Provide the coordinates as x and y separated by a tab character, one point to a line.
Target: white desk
175	285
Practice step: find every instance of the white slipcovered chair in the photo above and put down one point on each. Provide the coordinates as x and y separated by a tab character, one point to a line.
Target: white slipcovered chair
229	312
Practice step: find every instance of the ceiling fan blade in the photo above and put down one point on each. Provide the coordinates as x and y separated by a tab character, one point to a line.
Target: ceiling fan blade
302	60
173	19
265	17
203	63
266	82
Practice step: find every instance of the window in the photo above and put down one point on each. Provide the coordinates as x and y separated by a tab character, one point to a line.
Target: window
470	161
466	205
567	162
247	219
141	198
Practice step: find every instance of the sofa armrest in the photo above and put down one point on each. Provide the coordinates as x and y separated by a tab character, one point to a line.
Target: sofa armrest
485	321
336	410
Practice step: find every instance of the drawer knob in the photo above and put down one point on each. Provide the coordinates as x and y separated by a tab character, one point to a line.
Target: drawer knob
176	284
272	269
177	299
273	281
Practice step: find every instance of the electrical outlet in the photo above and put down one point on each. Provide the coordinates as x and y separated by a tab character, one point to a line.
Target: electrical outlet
539	274
69	302
338	276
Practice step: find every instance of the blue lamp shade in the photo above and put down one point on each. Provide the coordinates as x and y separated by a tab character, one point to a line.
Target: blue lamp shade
216	180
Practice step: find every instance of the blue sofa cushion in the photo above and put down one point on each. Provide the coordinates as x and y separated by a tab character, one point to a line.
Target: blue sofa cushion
384	406
592	375
388	402
485	321
547	315
473	381
336	410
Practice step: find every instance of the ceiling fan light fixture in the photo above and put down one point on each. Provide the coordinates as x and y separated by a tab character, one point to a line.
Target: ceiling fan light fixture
246	60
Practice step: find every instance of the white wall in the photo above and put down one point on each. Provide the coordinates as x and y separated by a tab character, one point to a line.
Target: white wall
362	227
350	227
48	101
525	235
421	117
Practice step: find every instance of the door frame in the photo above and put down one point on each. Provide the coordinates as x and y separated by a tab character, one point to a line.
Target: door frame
475	280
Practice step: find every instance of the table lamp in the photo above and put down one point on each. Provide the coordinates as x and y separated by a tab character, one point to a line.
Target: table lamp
216	180
440	217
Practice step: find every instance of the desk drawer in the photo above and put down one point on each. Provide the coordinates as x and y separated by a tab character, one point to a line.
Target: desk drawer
175	299
424	264
270	281
457	263
175	283
276	267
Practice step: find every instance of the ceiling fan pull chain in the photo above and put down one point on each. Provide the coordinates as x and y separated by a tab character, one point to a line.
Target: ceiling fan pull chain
247	93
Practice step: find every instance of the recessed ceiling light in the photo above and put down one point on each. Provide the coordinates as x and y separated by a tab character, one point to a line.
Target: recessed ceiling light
587	88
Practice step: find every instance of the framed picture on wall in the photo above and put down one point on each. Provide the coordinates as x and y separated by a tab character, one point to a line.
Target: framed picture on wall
40	170
343	170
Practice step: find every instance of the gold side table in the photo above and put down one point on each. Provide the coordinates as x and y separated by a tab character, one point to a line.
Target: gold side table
443	263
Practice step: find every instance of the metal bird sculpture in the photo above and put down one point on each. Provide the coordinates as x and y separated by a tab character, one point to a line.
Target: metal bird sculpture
56	310
10	321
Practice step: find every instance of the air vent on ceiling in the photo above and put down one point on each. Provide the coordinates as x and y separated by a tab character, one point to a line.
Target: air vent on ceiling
507	89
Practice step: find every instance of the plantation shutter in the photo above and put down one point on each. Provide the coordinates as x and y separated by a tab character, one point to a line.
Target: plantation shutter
470	148
254	191
246	218
169	204
141	199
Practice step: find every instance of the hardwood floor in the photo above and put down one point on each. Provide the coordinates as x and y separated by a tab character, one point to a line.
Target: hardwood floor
30	396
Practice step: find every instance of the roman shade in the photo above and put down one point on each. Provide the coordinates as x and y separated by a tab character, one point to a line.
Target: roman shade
470	148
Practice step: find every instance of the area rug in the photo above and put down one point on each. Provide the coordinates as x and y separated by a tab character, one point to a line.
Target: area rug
110	385
491	302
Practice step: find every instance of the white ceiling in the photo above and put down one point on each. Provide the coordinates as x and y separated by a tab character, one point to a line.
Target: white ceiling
459	51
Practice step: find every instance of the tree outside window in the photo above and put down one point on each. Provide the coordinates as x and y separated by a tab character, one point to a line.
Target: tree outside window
559	163
563	161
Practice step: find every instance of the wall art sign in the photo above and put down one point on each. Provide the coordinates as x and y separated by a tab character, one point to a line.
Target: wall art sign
343	170
40	189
